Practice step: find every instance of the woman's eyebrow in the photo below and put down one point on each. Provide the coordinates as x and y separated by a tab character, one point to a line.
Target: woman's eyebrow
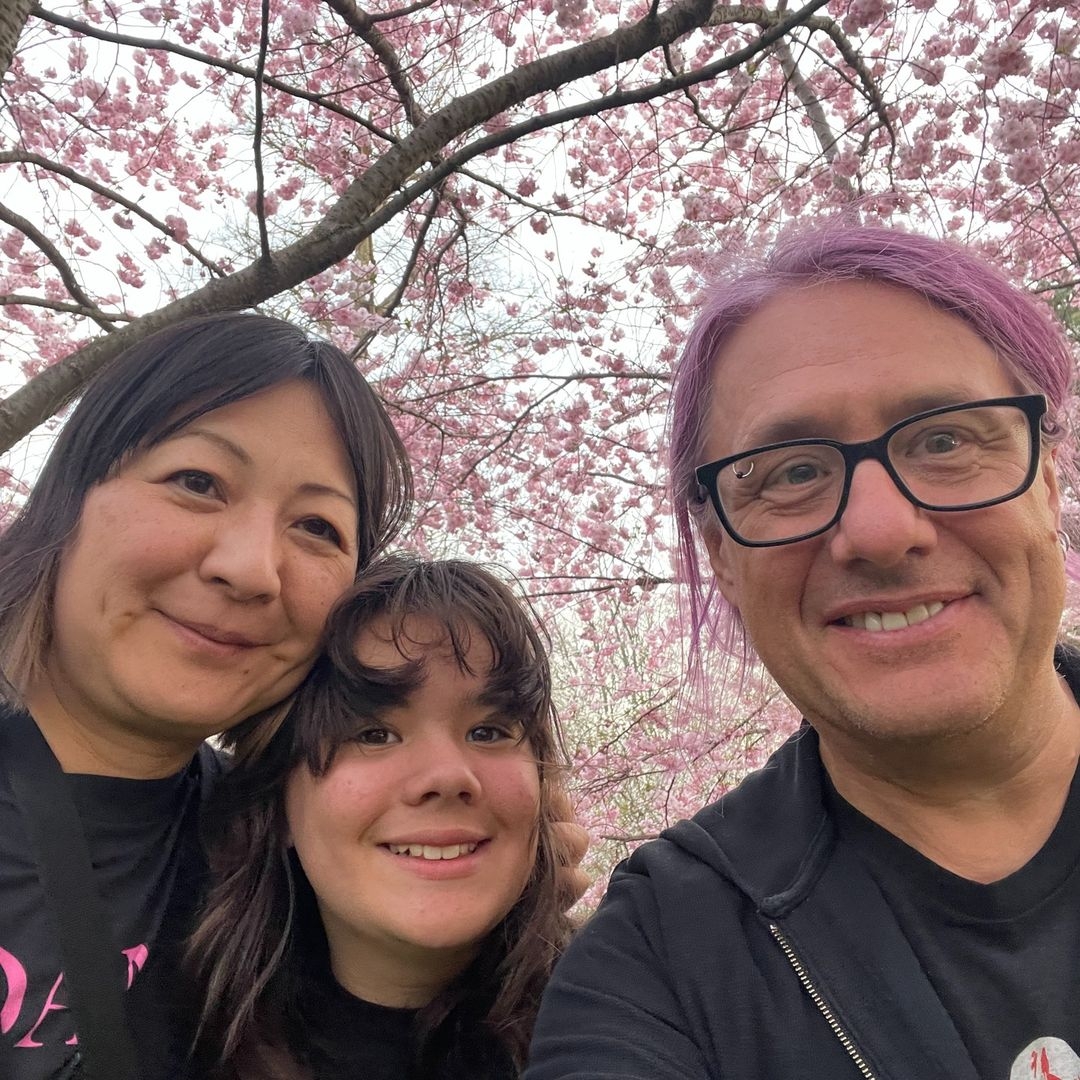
220	441
235	450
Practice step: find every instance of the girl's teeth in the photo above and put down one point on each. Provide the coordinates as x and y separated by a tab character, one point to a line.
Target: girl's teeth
894	620
429	851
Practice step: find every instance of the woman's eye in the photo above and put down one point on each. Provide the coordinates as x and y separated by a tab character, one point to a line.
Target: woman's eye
322	529
195	481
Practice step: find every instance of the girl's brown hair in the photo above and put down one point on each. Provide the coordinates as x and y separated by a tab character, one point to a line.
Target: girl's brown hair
260	928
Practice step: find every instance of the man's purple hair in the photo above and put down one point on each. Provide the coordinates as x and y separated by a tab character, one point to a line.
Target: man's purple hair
1019	328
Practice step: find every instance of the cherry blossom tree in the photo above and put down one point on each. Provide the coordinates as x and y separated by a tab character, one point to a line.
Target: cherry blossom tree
505	213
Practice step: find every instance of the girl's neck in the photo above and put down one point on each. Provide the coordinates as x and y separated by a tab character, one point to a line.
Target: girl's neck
401	980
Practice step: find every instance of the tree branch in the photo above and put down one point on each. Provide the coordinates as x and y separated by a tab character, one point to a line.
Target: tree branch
9	157
362	208
161	45
363	26
257	138
52	253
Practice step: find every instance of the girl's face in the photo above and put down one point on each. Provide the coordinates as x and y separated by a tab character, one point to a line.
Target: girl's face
422	834
195	589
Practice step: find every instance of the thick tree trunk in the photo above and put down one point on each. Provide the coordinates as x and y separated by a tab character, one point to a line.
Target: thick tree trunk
13	16
385	188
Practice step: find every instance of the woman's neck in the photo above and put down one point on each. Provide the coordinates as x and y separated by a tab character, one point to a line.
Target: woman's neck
98	748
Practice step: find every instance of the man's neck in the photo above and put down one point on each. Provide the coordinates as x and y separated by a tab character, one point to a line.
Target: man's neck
980	805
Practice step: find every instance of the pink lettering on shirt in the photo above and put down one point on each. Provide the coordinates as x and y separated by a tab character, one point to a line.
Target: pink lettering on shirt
15	977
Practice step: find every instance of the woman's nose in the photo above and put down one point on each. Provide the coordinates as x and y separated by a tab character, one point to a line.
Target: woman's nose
245	555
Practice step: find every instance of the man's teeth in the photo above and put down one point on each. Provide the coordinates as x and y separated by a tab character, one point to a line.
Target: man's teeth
894	620
429	851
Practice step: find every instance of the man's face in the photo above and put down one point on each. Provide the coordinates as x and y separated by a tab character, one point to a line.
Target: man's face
846	360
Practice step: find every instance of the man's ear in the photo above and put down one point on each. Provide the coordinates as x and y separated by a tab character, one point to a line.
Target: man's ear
719	546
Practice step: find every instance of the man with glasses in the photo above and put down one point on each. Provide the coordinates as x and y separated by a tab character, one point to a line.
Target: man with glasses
867	433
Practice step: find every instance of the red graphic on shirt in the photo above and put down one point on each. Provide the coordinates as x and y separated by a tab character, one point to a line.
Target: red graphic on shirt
1046	1058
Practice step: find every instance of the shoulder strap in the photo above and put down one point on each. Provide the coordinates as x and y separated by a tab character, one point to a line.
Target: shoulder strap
93	965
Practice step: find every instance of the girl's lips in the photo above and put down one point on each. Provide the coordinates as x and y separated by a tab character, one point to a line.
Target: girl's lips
462	864
432	852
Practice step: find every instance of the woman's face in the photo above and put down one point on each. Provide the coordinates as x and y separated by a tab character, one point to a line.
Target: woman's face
422	834
200	576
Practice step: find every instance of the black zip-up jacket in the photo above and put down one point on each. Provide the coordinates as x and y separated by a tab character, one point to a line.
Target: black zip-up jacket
746	944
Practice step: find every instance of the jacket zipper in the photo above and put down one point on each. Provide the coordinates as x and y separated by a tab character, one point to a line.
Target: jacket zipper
819	1001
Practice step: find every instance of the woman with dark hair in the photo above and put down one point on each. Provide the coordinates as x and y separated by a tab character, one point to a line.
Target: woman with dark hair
385	900
211	496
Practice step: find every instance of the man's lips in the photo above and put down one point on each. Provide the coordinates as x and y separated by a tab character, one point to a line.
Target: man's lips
913	609
894	620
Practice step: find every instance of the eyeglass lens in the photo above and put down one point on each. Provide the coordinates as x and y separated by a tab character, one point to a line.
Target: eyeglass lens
948	461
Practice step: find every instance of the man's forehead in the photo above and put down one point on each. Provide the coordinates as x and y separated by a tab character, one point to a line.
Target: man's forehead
844	360
829	420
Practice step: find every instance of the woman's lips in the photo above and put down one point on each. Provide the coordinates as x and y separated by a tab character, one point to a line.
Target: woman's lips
210	635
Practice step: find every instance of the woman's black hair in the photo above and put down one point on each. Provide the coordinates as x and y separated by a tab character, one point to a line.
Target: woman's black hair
149	392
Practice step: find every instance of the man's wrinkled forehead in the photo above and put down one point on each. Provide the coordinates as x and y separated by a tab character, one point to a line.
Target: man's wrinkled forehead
830	423
842	360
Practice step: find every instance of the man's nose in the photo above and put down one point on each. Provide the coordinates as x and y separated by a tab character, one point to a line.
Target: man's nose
880	524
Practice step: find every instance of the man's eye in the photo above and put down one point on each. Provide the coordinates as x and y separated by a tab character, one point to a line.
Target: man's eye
793	474
941	442
800	474
195	481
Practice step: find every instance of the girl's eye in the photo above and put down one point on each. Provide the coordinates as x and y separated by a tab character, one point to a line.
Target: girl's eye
321	529
375	736
195	481
490	733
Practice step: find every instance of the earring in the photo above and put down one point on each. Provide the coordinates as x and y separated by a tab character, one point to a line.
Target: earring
1064	542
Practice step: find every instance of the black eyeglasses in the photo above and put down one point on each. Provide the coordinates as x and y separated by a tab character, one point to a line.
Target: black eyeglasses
959	457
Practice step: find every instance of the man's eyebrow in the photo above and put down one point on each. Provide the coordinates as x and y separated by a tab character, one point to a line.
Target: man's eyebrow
241	455
825	426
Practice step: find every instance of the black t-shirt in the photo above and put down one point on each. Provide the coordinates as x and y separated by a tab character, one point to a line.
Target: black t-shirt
1004	958
143	842
346	1038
